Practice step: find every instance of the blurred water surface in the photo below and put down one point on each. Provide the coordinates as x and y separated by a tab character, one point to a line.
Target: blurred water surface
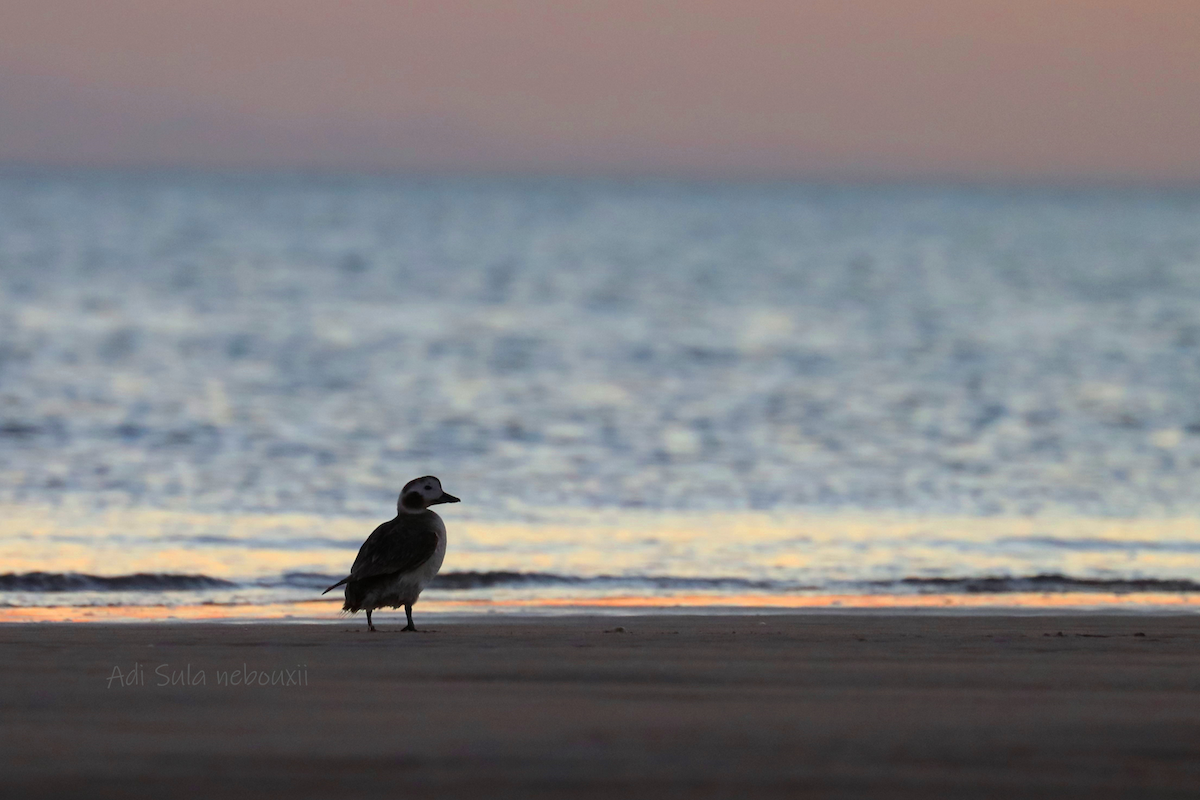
273	345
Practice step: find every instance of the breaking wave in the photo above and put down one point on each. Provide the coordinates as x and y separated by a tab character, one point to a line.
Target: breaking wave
79	582
1041	583
504	578
460	581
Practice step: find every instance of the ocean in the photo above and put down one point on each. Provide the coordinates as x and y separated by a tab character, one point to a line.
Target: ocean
657	394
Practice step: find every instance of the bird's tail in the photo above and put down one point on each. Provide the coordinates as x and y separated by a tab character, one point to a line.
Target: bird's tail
339	583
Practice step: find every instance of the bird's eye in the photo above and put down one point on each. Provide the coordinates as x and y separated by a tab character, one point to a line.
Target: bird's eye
428	488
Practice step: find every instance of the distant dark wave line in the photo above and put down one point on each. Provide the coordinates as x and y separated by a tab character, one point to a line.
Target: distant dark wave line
500	578
467	580
166	582
476	580
80	582
1048	582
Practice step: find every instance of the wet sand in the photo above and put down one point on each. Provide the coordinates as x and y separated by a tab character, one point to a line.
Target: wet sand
813	705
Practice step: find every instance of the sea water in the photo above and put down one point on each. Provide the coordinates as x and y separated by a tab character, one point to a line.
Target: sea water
638	389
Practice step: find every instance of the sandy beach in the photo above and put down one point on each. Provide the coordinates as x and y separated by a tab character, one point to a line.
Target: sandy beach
845	705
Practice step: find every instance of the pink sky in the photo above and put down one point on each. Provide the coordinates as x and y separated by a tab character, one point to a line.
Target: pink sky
973	89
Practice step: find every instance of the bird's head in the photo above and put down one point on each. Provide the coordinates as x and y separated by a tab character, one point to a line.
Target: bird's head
422	493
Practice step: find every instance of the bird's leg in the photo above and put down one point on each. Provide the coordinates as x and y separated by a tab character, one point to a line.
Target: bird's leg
370	626
408	613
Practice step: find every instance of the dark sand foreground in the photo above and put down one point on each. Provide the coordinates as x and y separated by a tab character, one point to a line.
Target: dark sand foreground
846	705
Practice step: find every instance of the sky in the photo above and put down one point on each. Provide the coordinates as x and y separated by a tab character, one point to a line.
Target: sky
1018	90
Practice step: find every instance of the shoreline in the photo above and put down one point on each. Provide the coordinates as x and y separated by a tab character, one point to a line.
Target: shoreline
327	610
774	705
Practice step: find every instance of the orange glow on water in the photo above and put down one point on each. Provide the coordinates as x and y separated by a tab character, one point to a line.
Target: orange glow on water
193	613
125	541
245	547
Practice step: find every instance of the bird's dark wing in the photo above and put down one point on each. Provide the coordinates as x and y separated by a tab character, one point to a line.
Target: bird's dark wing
398	545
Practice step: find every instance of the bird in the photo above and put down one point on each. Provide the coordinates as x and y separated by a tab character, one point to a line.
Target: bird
401	556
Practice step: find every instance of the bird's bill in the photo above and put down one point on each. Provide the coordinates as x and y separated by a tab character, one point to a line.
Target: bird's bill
445	498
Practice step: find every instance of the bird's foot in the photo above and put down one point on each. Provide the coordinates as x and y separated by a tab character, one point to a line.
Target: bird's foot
409	627
371	628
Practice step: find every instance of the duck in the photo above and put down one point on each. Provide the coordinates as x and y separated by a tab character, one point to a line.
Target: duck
401	556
